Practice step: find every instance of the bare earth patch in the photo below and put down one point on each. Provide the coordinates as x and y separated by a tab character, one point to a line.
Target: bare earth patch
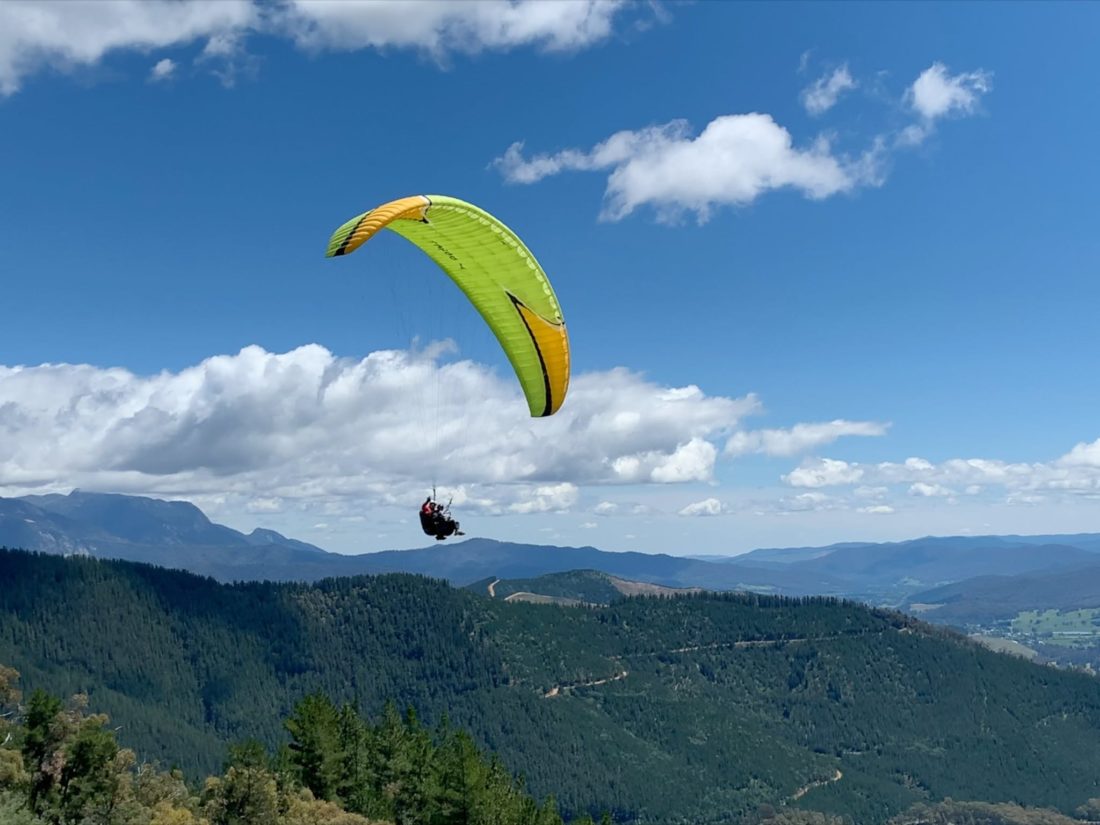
631	588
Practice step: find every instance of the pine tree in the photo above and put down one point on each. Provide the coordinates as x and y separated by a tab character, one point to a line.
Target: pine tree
316	751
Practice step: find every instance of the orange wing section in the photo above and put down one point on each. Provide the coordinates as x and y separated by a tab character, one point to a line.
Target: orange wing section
552	345
412	208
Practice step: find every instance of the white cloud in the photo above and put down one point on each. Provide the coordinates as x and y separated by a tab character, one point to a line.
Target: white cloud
691	461
1082	455
706	507
926	490
866	492
877	510
935	94
63	36
733	161
799	438
264	505
36	34
305	424
1025	498
954	471
442	26
226	57
589	525
606	508
223	44
163	69
824	472
823	93
1076	474
809	502
739	157
547	498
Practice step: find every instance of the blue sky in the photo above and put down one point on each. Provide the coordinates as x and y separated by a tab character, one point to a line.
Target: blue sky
828	269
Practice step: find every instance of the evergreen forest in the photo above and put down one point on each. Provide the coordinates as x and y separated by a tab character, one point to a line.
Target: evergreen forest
701	708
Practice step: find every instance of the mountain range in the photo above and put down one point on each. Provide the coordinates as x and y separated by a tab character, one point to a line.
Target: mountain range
178	535
984	600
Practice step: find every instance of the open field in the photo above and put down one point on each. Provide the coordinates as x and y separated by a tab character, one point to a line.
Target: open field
1076	628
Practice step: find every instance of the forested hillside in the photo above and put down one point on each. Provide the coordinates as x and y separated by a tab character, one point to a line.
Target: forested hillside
731	701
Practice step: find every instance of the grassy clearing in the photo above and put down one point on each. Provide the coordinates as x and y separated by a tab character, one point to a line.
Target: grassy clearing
1005	645
1074	628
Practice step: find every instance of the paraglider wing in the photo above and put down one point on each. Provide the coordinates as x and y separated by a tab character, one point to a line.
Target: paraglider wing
495	270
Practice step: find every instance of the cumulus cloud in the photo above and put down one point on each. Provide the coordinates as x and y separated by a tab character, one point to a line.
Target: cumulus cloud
956	472
1082	455
876	488
1077	473
877	510
706	507
868	492
553	497
800	438
36	34
441	26
936	93
809	502
926	490
691	461
306	424
163	69
823	93
264	505
737	158
733	161
605	508
824	472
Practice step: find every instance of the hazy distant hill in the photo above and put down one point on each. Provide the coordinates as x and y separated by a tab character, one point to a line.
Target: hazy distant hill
888	573
941	560
168	533
690	709
782	556
987	599
475	559
179	535
137	520
1086	541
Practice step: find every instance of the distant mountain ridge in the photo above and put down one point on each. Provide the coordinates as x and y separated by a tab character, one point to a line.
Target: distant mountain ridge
988	599
178	535
109	525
